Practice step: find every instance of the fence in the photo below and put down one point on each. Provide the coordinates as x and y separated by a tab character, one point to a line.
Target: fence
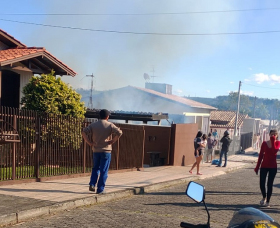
52	145
246	140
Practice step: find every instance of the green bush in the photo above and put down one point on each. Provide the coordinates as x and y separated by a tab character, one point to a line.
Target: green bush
45	93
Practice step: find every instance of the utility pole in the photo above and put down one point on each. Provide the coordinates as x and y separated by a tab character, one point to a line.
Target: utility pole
237	112
270	118
91	89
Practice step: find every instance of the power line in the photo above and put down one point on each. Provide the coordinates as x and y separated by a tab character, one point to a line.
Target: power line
260	86
142	33
138	14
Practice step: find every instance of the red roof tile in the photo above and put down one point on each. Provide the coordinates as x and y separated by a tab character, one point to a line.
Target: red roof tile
226	119
20	52
175	98
15	53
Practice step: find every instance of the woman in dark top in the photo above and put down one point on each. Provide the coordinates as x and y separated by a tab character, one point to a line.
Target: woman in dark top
197	152
268	165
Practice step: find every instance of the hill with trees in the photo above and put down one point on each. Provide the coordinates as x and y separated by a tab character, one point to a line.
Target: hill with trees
253	106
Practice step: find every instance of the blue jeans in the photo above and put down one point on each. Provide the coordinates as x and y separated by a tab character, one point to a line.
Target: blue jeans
101	164
221	158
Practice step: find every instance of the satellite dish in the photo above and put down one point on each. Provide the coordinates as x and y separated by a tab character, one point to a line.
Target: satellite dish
146	76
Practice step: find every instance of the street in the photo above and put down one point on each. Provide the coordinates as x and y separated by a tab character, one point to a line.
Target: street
225	194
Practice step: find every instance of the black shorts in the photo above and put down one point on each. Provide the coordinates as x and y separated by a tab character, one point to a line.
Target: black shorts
199	153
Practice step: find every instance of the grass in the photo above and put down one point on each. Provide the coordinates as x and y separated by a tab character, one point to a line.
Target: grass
26	172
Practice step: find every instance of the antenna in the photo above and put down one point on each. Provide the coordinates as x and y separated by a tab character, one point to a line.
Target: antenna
153	76
91	89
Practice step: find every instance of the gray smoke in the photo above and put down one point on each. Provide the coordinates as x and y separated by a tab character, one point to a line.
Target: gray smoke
121	59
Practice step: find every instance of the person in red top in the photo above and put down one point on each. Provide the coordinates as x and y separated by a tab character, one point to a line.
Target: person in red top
268	165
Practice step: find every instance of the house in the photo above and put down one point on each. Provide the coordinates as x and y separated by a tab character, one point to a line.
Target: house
18	63
266	126
225	120
135	99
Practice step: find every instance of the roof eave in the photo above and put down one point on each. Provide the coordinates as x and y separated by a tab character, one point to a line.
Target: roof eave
11	39
68	70
157	95
211	108
40	53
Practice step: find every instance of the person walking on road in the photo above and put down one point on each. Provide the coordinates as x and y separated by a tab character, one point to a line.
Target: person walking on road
225	147
198	153
100	136
268	166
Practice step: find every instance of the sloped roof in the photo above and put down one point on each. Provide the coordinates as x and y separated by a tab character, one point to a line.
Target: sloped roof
13	55
10	40
15	52
182	100
226	119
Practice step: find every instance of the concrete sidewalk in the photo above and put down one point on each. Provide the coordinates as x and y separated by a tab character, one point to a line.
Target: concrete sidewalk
21	202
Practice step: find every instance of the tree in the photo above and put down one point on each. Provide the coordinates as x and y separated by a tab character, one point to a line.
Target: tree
60	107
245	103
45	93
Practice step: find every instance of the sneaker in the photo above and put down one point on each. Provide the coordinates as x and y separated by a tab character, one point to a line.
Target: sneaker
91	188
103	192
262	202
267	204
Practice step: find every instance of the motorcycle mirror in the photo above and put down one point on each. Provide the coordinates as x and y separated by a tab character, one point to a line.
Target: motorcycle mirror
195	191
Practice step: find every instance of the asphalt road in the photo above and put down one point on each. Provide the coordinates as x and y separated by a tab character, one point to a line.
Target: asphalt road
225	194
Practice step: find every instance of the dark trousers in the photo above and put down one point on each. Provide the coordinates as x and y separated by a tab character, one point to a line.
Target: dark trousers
271	175
221	158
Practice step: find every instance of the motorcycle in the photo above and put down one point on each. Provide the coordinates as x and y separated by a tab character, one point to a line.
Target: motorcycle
248	217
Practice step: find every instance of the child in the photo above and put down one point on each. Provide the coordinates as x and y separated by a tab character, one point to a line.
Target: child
202	144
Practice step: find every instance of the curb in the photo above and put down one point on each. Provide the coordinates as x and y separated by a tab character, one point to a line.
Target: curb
22	216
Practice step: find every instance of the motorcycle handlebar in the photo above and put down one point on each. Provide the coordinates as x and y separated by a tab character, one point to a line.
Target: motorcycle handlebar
189	225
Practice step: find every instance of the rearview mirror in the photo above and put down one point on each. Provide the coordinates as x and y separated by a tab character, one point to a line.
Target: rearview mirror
195	191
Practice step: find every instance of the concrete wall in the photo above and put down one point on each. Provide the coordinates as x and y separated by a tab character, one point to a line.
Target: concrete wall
249	125
159	87
182	147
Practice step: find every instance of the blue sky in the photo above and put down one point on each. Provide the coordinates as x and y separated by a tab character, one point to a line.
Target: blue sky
196	65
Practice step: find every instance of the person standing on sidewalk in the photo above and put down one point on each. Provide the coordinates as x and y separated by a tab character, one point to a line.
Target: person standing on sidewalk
211	142
100	136
268	166
225	147
197	152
